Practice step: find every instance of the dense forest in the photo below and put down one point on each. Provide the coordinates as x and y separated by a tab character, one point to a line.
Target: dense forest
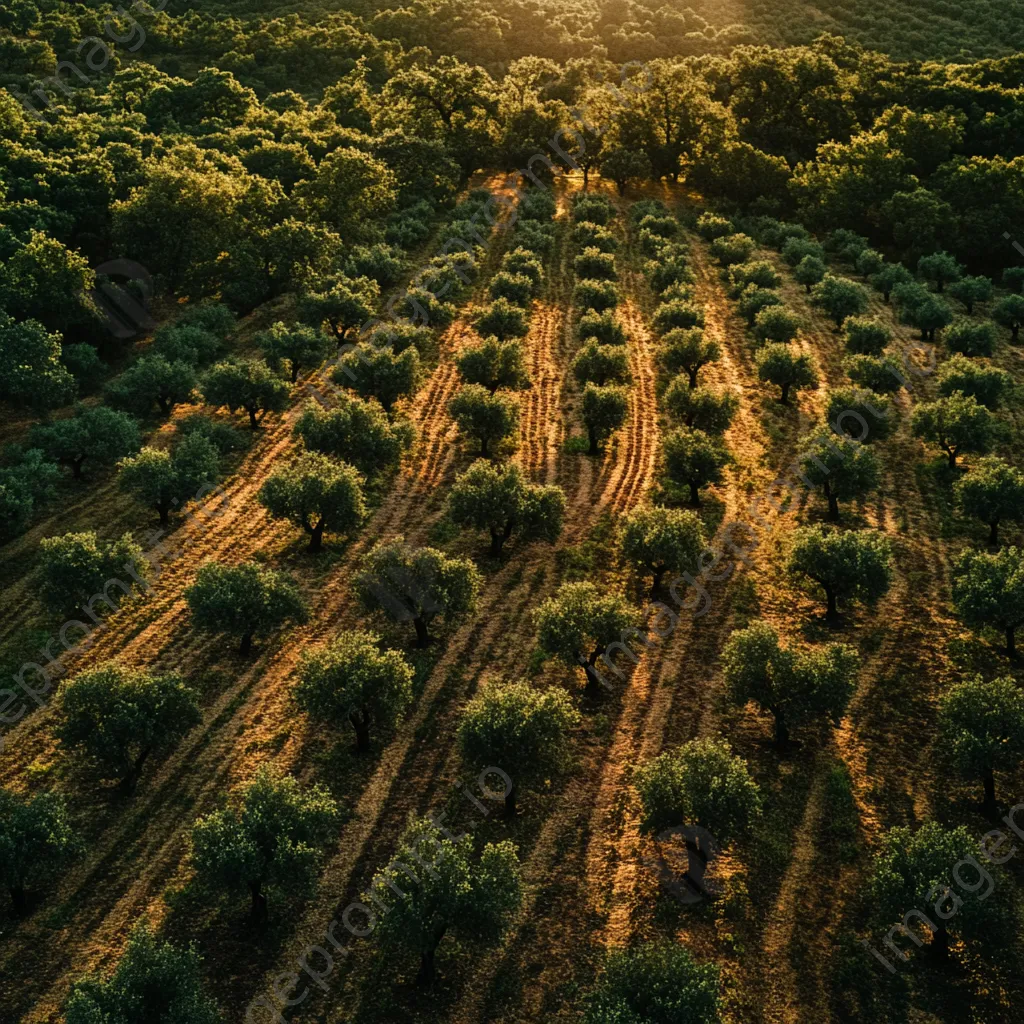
511	512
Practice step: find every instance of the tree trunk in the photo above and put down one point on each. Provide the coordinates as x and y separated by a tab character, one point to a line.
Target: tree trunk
245	647
781	731
831	610
1015	330
258	910
131	780
940	942
694	493
295	372
990	804
483	448
785	394
993	533
594	450
951	452
808	287
361	724
970	308
316	537
422	634
253	422
426	974
940	286
510	802
76	467
1011	641
19	900
659	575
833	503
693	377
586	177
165	406
886	295
164	509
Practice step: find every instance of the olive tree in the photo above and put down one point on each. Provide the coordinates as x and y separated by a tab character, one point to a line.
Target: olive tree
484	417
298	346
971	290
957	424
357	432
502	320
778	364
971	337
730	249
754	301
1009	312
599	296
988	591
76	570
993	492
793	686
494	364
880	375
844	468
379	373
342	303
860	414
988	385
890	276
694	459
99	435
677	315
523	730
502	501
352	681
115	718
316	493
810	271
37	841
940	268
982	728
603	327
601	364
582	623
701	407
687	351
839	298
435	885
656	540
776	323
248	385
168	480
594	265
604	411
867	335
153	981
848	566
153	381
267	839
417	585
244	601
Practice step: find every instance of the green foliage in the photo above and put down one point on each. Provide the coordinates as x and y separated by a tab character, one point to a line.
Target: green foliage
524	263
591	235
357	432
940	268
595	265
601	326
486	417
186	343
522	730
517	288
873	374
96	434
757	272
379	373
702	784
24	481
153	981
839	298
987	384
1013	278
848	566
248	385
37	841
268	838
116	717
153	381
85	365
687	351
971	290
245	601
701	407
601	364
677	315
342	303
889	277
867	335
957	424
494	364
299	347
579	625
596	295
777	364
694	459
732	249
982	727
796	250
503	320
988	590
774	322
350	190
604	410
168	481
795	687
468	896
77	569
318	494
655	984
500	500
993	492
623	165
971	337
1009	312
859	414
351	681
711	227
417	585
656	540
921	309
869	262
842	467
